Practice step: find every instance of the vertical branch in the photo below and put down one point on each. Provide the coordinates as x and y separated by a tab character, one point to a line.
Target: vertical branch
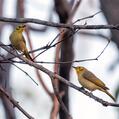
56	91
21	14
4	78
63	9
66	54
37	72
55	109
20	8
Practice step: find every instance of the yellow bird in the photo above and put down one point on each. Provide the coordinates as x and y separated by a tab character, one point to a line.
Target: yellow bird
18	42
89	81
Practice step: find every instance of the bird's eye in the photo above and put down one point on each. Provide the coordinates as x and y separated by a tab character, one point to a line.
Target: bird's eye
24	26
20	27
17	28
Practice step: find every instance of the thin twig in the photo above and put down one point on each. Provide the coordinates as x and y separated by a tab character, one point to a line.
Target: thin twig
56	37
9	61
73	11
48	47
71	35
26	74
42	48
100	35
91	16
103	49
67	62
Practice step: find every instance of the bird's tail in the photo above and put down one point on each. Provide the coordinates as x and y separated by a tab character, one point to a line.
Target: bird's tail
110	95
27	55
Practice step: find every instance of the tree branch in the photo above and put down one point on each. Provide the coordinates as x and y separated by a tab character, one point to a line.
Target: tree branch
15	103
51	74
56	91
66	62
61	25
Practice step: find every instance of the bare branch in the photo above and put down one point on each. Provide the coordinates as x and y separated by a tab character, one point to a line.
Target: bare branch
67	62
53	24
15	103
58	97
103	50
91	16
52	75
11	62
37	72
68	36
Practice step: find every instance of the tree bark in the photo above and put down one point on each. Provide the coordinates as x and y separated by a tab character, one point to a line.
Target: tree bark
111	11
63	8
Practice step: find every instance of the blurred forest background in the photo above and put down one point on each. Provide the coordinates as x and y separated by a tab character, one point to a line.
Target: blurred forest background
40	101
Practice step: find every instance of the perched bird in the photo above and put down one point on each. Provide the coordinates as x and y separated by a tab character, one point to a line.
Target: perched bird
18	42
89	81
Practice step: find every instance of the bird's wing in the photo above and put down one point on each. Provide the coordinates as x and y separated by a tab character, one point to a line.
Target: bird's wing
92	78
23	39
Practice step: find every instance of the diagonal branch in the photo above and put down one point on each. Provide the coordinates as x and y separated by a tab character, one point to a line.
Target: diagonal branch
15	103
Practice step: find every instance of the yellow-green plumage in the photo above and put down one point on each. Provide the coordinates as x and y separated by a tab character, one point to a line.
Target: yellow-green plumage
89	81
18	41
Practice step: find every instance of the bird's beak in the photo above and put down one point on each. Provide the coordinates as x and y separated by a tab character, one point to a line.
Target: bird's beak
24	26
74	67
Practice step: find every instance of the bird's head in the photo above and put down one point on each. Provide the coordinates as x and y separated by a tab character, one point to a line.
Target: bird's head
79	69
20	28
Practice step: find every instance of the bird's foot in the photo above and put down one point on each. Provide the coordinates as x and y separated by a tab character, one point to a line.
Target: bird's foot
82	88
10	45
91	94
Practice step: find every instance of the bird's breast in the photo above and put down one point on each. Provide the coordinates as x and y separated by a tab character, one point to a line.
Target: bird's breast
17	41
